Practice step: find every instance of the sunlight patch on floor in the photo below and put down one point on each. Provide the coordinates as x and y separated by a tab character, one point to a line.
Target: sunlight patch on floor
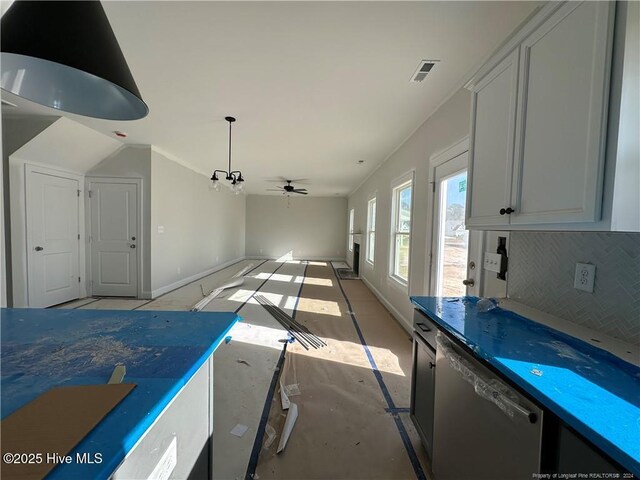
322	307
272	276
324	282
259	335
386	361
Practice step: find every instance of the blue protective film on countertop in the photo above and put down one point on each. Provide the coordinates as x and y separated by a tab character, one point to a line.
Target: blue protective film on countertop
161	351
590	389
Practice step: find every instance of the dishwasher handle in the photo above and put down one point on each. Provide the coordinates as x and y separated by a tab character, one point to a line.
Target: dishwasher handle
483	389
488	389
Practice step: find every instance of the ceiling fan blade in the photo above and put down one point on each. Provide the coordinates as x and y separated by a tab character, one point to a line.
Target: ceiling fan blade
284	180
275	189
299	192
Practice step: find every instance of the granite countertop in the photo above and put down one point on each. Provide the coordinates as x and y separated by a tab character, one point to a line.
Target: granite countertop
42	349
590	389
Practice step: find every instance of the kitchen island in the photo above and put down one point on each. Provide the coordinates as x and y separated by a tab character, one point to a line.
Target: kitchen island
593	392
167	417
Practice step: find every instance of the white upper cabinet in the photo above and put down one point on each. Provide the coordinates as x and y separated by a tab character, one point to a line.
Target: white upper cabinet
561	127
539	122
492	142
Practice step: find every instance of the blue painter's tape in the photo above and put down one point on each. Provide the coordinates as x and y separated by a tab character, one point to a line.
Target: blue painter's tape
413	457
227	339
257	444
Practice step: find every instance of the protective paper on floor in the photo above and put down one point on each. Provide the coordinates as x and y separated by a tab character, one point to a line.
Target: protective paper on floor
242	387
343	429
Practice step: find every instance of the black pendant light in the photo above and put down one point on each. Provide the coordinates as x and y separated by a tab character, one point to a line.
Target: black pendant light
233	176
65	55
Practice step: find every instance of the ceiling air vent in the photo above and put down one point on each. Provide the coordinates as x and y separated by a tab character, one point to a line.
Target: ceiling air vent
423	70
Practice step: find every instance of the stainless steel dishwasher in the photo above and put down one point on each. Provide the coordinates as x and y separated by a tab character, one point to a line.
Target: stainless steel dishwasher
483	428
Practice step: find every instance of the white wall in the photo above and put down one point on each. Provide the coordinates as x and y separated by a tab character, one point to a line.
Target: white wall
132	161
308	227
444	128
64	147
203	229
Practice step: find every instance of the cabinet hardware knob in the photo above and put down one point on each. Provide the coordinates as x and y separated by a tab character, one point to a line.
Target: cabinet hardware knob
132	246
38	249
507	211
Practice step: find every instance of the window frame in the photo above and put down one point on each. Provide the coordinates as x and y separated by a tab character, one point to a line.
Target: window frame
370	255
397	186
350	227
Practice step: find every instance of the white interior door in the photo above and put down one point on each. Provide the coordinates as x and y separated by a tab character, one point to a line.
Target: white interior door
114	238
53	240
455	251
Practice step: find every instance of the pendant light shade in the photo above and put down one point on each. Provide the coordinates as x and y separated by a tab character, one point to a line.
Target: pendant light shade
64	55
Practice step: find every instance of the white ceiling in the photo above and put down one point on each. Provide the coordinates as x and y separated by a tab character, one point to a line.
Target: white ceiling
315	86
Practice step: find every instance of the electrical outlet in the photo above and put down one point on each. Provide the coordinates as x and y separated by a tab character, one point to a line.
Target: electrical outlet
585	276
492	261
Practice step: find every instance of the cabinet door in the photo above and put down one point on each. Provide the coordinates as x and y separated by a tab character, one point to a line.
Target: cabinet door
494	102
561	121
423	392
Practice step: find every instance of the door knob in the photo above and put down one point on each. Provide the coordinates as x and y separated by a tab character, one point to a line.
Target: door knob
133	238
38	249
469	282
507	210
132	246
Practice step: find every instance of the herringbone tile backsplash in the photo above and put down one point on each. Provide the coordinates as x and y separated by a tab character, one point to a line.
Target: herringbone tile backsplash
542	267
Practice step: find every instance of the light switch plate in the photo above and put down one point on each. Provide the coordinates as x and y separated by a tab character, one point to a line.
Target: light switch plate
585	276
492	261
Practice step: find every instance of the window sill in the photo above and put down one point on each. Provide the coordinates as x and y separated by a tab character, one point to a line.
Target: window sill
398	283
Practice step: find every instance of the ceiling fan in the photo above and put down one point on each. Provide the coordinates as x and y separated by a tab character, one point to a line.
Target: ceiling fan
288	188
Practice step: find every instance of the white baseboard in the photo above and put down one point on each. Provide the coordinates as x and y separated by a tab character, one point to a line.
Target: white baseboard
401	319
181	283
315	259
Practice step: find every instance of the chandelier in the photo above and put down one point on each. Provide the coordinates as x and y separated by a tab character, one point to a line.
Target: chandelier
233	176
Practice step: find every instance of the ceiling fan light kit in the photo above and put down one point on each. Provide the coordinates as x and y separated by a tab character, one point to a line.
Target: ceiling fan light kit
233	176
64	55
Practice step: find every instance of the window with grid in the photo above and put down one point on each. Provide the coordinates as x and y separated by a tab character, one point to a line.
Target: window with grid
401	231
371	230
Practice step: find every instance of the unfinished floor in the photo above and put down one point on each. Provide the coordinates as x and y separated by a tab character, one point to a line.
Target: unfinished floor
354	394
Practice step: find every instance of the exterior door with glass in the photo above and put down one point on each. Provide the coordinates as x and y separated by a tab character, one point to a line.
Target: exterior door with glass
455	251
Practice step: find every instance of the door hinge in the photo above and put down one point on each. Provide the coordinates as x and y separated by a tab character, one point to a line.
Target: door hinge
433	187
78	279
78	193
89	192
78	236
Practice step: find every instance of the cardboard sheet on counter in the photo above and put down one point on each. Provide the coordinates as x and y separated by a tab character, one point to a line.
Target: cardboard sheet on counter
54	423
